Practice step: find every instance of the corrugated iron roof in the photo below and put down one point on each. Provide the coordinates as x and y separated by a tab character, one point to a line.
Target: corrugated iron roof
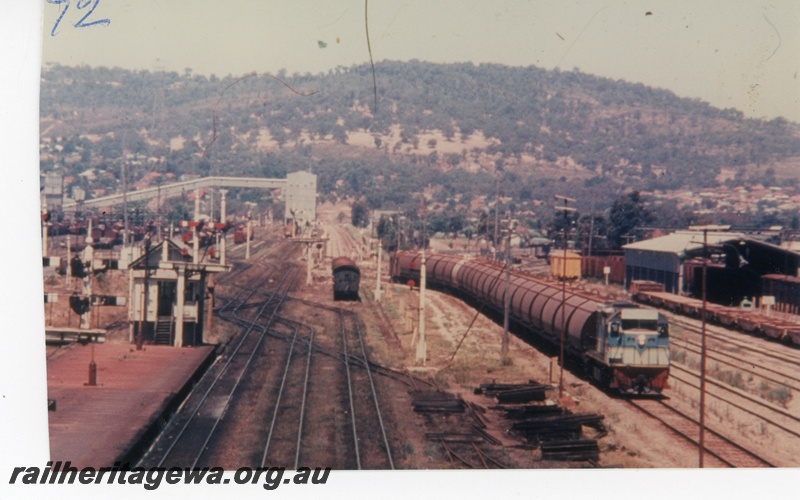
682	241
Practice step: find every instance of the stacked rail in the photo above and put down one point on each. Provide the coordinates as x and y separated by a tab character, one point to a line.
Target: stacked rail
555	430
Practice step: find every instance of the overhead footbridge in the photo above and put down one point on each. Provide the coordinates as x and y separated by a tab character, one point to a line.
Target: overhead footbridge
176	189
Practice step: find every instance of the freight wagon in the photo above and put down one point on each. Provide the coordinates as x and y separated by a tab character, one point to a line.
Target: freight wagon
744	318
620	345
346	277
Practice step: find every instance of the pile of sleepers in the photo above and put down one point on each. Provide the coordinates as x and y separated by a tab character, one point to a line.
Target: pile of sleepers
514	393
436	402
576	449
566	426
555	430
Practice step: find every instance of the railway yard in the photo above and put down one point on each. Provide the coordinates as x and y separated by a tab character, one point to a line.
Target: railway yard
302	379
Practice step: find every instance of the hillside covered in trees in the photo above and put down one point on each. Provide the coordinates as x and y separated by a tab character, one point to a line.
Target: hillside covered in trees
459	132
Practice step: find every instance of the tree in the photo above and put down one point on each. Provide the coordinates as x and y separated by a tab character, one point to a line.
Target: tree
456	223
594	228
387	232
339	134
625	216
486	227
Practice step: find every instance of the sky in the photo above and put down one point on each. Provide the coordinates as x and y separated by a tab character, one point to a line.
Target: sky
743	54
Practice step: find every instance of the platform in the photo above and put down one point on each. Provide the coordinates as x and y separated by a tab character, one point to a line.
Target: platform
94	426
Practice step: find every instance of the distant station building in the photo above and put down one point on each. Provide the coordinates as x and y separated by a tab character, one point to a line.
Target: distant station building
300	197
168	295
738	267
53	191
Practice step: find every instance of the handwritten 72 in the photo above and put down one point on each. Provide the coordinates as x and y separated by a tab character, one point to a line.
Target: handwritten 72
83	22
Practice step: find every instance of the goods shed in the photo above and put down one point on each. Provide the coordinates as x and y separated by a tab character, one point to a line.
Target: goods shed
735	266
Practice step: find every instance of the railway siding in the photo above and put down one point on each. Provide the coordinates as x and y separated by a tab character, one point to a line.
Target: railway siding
722	451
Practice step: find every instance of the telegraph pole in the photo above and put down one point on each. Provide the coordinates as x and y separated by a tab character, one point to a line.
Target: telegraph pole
223	215
247	238
422	349
496	208
140	335
159	235
195	234
378	283
703	356
566	209
507	295
591	234
125	239
309	262
69	263
88	257
44	227
86	317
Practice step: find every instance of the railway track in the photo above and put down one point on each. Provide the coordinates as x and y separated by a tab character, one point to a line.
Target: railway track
777	418
402	377
738	371
720	450
363	398
744	364
481	460
329	373
341	243
284	440
279	381
323	407
342	383
731	338
186	442
296	386
311	362
744	375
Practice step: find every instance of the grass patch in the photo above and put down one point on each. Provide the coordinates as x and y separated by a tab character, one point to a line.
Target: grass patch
432	450
732	378
775	394
391	310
